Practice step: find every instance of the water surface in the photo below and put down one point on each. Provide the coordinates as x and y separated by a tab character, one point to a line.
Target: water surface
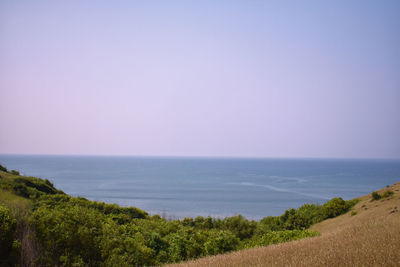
188	187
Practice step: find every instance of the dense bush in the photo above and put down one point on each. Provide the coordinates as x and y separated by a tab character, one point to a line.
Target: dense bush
8	246
7	228
68	233
221	242
121	214
240	226
375	195
29	187
334	207
14	172
305	216
75	231
2	168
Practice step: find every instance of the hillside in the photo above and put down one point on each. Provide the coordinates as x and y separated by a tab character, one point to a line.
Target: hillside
368	235
42	226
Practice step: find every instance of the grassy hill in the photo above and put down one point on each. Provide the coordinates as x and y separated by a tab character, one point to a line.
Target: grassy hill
368	235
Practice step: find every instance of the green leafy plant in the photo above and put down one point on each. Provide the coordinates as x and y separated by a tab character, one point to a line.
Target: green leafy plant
14	172
2	168
375	195
8	246
388	193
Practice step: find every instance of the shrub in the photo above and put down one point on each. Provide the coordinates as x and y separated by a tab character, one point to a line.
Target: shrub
311	214
353	213
388	194
183	245
305	216
124	246
122	214
201	222
334	207
69	233
8	248
270	223
276	237
2	168
28	187
291	220
222	242
375	195
15	172
240	226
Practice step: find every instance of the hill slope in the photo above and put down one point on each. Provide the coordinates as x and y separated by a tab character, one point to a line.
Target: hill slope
368	235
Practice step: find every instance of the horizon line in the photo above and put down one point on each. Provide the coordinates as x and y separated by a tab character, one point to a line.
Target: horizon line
196	156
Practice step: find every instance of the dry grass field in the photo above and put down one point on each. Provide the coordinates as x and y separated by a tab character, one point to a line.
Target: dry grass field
368	235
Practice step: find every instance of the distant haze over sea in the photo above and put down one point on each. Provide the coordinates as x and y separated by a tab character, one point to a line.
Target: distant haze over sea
180	187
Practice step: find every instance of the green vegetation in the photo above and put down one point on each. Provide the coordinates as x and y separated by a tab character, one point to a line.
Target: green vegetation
306	215
376	196
387	194
276	237
2	168
15	172
42	226
9	247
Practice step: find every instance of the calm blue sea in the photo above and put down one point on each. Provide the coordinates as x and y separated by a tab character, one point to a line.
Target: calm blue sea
188	187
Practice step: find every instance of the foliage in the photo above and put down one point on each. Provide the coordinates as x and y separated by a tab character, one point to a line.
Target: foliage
275	237
375	195
388	193
7	228
221	242
66	232
240	226
15	172
305	216
121	214
8	246
334	207
2	168
28	187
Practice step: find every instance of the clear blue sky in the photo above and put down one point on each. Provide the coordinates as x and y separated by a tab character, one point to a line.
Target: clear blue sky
201	78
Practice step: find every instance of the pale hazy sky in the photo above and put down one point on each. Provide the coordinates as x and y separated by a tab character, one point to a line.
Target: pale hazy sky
201	78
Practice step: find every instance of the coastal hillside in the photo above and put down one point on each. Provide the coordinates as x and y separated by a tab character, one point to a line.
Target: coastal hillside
42	226
368	235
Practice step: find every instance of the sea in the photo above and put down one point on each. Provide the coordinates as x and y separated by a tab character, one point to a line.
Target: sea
179	187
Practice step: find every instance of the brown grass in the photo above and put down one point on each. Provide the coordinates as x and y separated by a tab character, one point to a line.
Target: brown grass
371	237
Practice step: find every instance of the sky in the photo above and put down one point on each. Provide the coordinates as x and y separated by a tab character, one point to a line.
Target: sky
201	78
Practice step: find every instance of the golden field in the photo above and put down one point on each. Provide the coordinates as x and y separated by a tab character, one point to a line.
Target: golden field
368	235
